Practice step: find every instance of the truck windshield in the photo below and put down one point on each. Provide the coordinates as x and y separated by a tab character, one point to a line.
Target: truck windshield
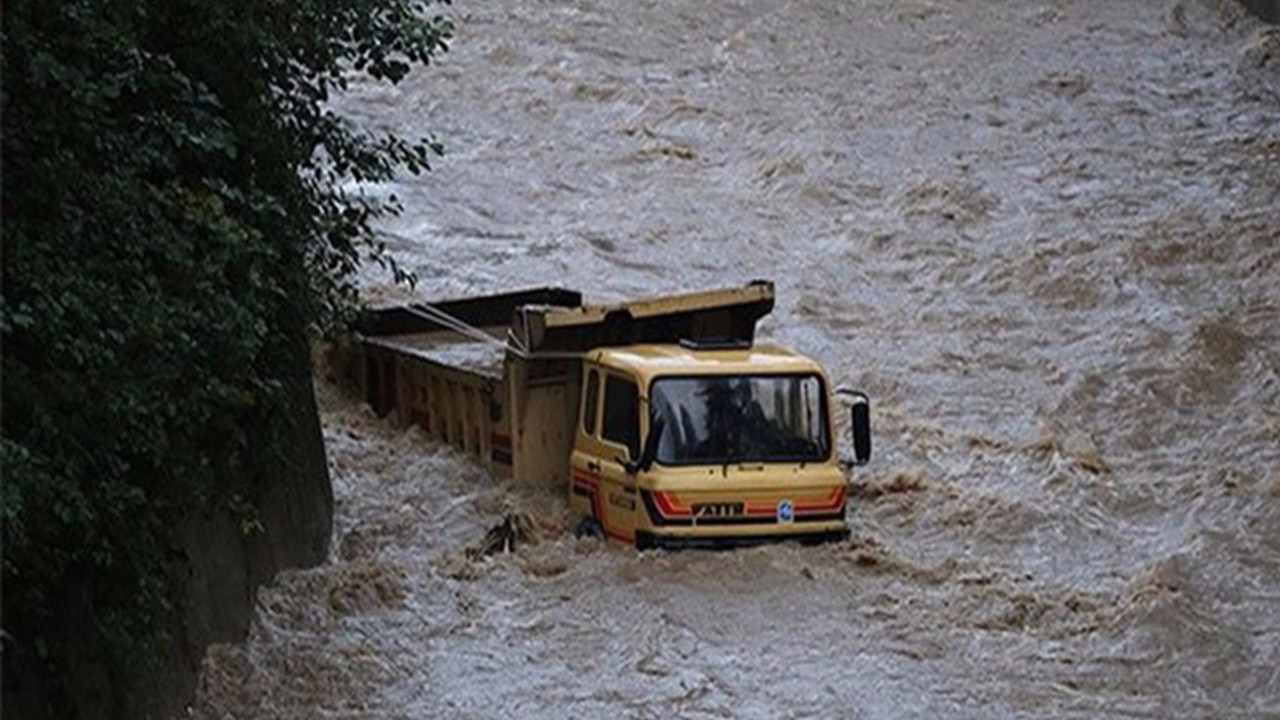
711	420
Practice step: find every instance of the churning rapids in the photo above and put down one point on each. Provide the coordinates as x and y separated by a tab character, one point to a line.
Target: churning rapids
1044	237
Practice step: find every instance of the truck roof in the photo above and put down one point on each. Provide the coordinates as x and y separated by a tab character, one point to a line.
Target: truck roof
650	361
554	320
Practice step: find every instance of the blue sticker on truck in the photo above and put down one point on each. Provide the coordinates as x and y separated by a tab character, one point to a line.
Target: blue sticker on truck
786	511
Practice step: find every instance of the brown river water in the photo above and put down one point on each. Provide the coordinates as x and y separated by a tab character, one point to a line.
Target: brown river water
1044	237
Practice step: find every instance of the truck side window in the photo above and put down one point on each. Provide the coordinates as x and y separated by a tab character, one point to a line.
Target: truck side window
589	403
622	414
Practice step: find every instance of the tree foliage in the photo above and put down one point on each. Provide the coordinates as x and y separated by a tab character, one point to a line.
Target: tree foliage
173	203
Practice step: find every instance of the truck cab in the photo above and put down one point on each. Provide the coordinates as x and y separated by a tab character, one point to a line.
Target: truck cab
688	445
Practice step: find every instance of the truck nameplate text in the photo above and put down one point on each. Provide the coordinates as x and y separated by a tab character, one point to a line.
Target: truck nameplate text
709	510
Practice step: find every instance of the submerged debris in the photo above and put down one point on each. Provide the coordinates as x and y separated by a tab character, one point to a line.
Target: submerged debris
515	529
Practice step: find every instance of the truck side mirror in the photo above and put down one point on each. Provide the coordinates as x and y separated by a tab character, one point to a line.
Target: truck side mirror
859	424
650	451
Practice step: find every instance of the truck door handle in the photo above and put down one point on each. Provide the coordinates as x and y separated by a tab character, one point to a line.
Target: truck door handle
593	466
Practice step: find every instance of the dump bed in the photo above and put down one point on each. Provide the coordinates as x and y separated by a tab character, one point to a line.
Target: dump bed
498	376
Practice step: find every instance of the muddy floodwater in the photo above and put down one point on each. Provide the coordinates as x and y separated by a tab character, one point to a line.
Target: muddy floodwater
1044	237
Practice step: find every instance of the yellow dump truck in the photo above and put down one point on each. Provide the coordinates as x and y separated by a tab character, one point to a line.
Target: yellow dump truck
663	420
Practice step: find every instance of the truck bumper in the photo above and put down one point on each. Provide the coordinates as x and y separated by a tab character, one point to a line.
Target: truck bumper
649	541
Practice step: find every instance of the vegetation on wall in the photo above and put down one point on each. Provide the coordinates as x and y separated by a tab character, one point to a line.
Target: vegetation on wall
174	214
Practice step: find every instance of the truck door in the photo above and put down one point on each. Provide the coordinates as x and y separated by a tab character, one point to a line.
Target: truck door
608	436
